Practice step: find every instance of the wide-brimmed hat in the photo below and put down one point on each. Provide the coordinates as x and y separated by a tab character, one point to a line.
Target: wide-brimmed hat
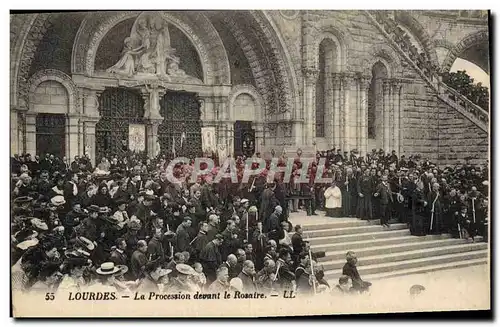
58	200
23	199
39	224
242	201
93	208
76	253
85	243
123	270
104	210
108	268
184	269
27	244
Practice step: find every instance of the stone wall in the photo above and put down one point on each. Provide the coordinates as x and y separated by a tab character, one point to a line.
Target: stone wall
50	97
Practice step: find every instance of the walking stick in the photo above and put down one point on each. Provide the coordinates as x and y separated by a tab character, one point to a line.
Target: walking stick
473	210
432	210
170	243
277	270
247	226
459	230
312	271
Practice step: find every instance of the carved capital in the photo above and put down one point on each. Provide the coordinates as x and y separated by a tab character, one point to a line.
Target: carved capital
311	75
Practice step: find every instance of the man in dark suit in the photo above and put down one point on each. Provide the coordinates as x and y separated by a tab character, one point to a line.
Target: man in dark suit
138	260
268	203
247	276
297	243
383	192
351	270
118	256
71	189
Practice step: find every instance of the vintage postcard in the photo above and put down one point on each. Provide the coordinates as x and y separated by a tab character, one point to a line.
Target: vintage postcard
275	162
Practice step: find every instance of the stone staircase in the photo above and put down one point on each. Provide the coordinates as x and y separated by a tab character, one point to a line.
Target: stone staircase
387	252
430	74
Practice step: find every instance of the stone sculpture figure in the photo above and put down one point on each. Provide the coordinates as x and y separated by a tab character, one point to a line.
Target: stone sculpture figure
147	50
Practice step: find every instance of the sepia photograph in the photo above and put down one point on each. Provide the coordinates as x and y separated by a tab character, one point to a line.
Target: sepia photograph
249	163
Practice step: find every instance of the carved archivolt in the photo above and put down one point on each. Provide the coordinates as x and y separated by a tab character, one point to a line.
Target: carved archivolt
467	42
250	90
58	76
194	25
385	55
37	29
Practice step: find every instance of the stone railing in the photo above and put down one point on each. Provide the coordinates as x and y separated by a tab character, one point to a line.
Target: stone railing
422	64
470	107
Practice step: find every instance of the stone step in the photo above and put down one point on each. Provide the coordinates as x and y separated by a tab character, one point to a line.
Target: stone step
406	255
351	230
364	251
387	233
341	223
393	266
376	242
420	270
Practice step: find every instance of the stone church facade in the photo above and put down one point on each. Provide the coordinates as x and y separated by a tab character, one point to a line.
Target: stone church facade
193	81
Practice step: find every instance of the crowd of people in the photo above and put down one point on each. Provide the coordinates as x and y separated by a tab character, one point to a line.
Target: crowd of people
124	225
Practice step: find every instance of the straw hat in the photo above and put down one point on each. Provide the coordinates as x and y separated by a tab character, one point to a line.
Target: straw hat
58	200
85	243
39	224
108	268
184	269
28	244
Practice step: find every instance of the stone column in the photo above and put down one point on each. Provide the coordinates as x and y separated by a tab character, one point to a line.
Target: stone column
385	114
347	120
336	110
329	91
397	86
72	140
342	114
30	123
153	118
364	88
14	132
91	111
89	138
359	114
310	79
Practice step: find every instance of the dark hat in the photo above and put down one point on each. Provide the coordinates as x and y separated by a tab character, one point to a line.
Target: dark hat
23	199
93	208
121	201
149	197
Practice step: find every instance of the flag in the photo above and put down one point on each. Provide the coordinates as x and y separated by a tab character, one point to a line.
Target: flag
173	145
183	137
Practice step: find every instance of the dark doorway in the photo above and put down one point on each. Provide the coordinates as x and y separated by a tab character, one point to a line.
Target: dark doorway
51	134
244	138
118	107
181	124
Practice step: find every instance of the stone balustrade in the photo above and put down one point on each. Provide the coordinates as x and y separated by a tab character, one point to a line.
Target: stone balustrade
422	62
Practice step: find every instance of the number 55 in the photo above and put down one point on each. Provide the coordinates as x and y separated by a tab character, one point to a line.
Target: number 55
49	297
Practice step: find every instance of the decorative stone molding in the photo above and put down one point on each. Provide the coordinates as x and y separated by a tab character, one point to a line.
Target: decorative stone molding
290	14
250	90
387	56
406	19
33	38
58	76
311	75
468	41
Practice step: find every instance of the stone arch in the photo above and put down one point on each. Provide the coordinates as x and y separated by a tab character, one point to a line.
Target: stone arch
60	77
406	19
467	42
316	33
253	93
36	26
195	26
388	57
